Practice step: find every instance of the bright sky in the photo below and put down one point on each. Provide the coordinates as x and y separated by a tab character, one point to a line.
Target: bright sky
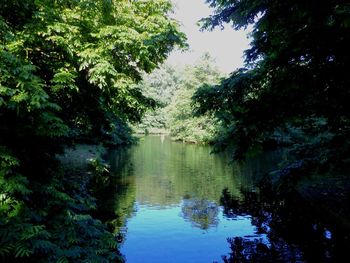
225	46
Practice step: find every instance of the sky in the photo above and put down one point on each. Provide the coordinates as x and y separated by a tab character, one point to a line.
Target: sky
226	46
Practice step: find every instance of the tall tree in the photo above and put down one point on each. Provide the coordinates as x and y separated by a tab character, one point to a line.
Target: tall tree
182	124
67	70
295	87
160	85
89	53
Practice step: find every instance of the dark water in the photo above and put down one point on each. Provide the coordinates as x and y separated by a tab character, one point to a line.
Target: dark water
173	202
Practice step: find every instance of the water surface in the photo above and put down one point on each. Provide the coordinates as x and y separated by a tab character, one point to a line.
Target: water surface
176	213
174	202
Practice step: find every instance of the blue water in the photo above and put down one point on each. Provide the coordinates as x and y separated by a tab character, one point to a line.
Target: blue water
163	235
172	203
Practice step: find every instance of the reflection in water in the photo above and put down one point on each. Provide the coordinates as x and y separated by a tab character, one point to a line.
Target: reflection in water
202	213
173	202
166	172
296	231
263	209
115	192
170	195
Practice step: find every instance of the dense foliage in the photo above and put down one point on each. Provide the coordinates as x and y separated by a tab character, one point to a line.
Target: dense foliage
160	85
294	89
173	89
182	124
67	72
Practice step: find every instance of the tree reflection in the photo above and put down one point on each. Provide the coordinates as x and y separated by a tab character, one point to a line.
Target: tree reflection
115	191
165	172
200	212
295	230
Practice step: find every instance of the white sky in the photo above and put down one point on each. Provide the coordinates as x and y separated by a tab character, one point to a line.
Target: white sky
225	46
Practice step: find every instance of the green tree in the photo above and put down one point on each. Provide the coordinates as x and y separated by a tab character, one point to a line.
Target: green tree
295	88
67	71
90	53
182	123
160	85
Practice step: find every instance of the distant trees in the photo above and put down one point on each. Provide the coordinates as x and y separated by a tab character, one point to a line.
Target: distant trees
183	125
160	85
67	72
172	88
295	88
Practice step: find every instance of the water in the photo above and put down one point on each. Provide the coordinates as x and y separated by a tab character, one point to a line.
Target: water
174	202
164	235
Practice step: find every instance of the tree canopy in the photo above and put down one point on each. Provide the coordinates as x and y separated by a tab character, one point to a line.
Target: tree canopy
294	88
87	55
160	85
67	72
183	125
172	88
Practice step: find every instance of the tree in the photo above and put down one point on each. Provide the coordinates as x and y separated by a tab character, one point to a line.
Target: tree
67	71
182	123
90	53
172	88
294	88
160	85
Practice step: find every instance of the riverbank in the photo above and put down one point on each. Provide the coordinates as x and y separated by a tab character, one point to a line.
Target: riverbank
77	159
163	132
151	131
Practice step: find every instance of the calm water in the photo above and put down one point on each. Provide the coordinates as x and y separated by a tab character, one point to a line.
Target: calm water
174	202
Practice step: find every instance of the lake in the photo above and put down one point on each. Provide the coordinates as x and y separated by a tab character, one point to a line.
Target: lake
175	202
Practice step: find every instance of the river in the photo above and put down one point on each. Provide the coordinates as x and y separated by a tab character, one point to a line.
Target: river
175	202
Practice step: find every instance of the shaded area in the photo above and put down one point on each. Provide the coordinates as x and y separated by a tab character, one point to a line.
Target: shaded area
296	230
115	191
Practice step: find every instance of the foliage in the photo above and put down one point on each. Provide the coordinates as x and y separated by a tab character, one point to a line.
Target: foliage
172	88
67	72
51	223
89	53
160	85
182	124
294	88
